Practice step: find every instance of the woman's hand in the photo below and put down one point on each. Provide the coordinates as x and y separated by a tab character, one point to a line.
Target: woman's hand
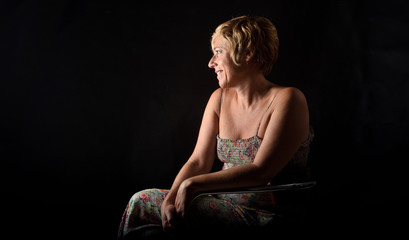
169	217
173	213
184	197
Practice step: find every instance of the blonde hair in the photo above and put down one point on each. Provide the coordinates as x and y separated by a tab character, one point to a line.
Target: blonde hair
245	34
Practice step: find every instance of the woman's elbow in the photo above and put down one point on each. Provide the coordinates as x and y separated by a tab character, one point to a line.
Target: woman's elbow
201	165
265	174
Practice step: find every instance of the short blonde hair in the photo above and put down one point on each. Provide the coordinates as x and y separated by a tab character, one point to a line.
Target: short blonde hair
245	34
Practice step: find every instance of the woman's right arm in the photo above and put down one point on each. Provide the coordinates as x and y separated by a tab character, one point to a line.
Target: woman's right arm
201	160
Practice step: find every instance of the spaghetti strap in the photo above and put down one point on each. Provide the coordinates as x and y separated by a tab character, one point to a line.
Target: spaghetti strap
221	101
259	124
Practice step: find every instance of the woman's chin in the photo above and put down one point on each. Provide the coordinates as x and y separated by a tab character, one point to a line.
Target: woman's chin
222	83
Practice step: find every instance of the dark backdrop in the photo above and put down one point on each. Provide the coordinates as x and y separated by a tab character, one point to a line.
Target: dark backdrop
100	100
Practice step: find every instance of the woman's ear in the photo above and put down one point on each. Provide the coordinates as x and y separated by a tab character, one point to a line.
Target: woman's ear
249	55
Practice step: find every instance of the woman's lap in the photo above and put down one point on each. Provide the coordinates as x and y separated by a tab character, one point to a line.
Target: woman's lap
205	212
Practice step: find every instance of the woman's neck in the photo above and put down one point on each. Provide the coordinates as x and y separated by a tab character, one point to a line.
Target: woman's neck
251	90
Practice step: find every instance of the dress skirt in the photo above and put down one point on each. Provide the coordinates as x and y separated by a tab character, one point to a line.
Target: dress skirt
216	211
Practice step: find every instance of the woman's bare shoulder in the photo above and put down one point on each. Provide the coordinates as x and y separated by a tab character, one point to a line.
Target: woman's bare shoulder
215	100
290	95
216	93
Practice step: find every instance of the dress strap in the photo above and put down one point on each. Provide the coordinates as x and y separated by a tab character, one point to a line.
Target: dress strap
259	124
221	101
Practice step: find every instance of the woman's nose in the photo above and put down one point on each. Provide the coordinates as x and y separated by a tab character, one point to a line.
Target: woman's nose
212	64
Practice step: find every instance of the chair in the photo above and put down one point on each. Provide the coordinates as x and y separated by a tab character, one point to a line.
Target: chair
267	188
297	194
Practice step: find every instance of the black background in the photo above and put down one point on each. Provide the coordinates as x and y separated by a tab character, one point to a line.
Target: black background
102	99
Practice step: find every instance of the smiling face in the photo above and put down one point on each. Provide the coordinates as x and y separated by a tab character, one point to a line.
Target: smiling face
222	63
250	40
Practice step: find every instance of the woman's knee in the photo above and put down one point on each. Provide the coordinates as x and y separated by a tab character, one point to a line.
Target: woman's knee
140	196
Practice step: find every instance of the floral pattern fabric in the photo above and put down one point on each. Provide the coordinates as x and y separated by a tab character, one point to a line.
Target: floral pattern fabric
237	152
143	209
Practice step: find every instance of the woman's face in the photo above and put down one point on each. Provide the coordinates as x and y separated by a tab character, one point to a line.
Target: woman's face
222	62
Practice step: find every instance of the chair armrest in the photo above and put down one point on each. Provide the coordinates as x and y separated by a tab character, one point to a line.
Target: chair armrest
266	188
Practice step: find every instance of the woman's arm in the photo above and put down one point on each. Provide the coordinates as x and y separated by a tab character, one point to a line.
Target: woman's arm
202	158
287	128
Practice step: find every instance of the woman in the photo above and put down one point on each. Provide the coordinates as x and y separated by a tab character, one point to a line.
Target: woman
258	129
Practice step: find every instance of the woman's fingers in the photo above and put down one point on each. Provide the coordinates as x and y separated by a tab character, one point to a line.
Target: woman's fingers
181	204
183	199
169	218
